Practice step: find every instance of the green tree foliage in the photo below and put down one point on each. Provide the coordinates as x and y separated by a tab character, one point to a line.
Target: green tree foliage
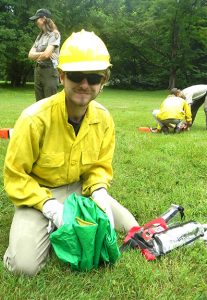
15	38
165	40
17	35
153	43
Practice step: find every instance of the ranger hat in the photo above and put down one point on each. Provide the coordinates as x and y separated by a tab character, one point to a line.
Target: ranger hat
40	13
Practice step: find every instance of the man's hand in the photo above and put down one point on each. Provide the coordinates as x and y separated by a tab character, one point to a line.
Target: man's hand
53	210
102	199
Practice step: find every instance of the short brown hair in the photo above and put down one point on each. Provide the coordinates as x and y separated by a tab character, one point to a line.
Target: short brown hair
174	91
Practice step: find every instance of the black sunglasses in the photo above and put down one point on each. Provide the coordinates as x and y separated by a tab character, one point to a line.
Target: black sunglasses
77	77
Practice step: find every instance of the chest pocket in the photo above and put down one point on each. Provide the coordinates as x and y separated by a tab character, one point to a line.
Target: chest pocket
51	160
50	169
89	157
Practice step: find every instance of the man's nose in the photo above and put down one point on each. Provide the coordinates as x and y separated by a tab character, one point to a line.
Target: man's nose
84	83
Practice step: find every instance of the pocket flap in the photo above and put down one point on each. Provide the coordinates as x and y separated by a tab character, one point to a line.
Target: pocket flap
51	160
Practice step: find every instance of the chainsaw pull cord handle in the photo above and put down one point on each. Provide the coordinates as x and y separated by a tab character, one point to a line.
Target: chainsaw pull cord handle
172	211
182	214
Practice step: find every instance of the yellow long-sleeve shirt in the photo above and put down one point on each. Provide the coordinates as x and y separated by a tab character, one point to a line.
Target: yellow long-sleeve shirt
44	151
174	108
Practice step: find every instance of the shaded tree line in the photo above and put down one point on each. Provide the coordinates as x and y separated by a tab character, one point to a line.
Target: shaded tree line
153	43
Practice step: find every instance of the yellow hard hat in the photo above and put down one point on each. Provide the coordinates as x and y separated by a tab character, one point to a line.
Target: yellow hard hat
83	51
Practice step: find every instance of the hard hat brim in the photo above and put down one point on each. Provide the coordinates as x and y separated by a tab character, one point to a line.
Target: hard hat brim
84	66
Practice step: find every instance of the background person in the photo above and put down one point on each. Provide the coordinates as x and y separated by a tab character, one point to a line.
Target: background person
195	96
60	145
45	52
173	110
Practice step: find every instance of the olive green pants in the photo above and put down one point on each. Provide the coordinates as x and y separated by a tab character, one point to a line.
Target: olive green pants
29	242
46	81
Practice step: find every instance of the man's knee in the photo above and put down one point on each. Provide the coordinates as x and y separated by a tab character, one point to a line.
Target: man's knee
21	265
25	259
28	242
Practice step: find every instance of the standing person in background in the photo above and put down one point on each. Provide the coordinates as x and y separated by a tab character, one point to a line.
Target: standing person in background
196	95
174	111
45	52
60	145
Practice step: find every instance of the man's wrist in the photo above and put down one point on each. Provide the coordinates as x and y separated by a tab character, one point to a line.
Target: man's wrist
97	187
53	210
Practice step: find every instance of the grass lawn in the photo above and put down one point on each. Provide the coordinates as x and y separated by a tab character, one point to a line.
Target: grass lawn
151	171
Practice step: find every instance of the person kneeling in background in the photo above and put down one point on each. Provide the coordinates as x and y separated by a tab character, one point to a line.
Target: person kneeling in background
174	113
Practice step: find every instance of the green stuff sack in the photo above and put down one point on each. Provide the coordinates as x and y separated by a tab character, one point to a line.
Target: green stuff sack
86	239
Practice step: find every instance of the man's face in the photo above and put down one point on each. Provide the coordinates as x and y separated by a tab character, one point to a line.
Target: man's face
82	90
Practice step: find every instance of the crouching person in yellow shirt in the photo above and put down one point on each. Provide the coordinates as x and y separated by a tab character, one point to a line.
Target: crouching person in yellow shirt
174	112
60	145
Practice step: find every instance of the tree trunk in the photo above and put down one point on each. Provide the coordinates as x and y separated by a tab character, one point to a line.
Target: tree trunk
18	73
172	79
174	48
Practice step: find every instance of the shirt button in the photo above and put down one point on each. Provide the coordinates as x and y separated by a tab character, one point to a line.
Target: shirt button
73	162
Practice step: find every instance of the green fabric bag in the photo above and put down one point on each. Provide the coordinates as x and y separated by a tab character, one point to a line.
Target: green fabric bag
86	239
